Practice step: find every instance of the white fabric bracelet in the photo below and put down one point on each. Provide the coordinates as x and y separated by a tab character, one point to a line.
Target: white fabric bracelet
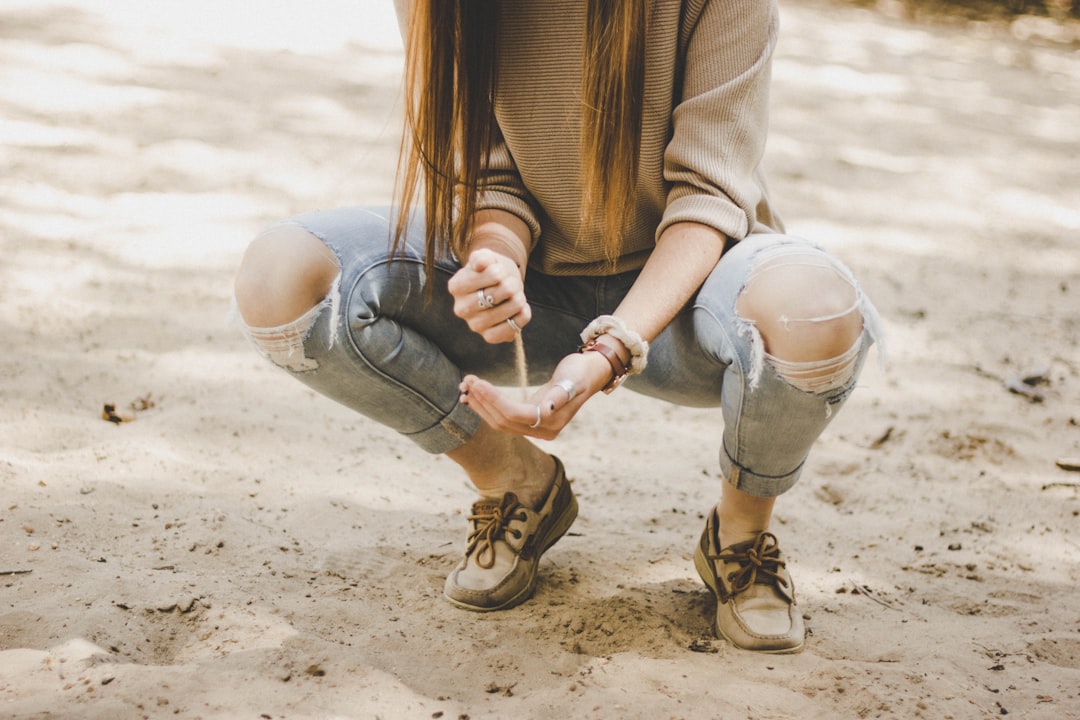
616	328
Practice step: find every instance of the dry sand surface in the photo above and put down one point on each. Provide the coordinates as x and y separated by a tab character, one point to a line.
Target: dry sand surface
244	548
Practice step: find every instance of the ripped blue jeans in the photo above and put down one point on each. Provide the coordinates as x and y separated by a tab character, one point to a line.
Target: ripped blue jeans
382	346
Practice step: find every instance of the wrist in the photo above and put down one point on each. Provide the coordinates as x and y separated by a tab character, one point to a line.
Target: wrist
615	335
600	373
617	367
617	347
487	233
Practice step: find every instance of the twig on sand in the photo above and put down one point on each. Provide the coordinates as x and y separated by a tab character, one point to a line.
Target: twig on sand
863	590
15	572
1069	464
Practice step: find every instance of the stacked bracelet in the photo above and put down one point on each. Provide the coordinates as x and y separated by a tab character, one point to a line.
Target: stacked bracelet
619	370
616	328
634	343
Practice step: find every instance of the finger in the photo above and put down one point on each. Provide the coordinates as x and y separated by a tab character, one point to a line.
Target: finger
562	393
493	301
479	259
492	415
483	275
502	331
499	275
482	258
487	401
483	269
497	287
508	296
473	306
464	282
506	415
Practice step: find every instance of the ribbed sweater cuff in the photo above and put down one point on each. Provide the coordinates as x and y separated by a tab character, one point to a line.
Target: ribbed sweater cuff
716	212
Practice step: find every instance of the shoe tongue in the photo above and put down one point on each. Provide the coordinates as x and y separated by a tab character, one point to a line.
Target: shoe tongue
488	505
485	506
495	500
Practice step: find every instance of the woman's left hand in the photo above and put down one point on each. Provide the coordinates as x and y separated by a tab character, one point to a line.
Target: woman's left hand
489	295
576	378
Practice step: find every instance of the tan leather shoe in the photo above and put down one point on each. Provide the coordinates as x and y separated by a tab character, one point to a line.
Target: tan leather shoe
505	545
755	596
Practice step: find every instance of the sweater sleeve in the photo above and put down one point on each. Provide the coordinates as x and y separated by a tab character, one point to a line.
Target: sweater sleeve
503	189
720	123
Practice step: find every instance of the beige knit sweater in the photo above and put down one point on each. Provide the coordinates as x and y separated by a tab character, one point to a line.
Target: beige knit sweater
703	136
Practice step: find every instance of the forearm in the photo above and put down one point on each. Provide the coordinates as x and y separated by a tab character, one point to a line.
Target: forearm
684	256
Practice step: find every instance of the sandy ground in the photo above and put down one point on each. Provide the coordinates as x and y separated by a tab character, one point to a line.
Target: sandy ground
244	548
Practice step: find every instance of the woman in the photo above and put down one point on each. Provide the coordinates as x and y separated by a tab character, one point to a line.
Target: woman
584	177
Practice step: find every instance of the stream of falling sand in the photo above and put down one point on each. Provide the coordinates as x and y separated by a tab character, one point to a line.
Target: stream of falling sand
522	366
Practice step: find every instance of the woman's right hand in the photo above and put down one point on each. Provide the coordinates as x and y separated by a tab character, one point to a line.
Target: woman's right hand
489	295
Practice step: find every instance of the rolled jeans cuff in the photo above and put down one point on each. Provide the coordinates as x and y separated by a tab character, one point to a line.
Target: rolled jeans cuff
450	433
764	486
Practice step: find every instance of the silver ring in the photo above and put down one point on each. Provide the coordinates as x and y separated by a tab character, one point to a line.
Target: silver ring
513	325
537	423
484	300
568	387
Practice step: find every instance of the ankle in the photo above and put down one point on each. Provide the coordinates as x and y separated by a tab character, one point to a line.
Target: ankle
742	517
734	537
735	528
535	488
528	474
497	464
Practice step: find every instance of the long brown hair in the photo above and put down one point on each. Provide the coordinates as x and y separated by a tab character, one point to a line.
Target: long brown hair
450	79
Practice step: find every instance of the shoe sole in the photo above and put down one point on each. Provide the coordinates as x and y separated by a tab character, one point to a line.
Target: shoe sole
701	564
556	531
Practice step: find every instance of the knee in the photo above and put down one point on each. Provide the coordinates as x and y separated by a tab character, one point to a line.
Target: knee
805	308
284	273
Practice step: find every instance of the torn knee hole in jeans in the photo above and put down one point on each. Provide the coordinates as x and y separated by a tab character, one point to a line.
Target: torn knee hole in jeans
284	344
818	376
814	376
